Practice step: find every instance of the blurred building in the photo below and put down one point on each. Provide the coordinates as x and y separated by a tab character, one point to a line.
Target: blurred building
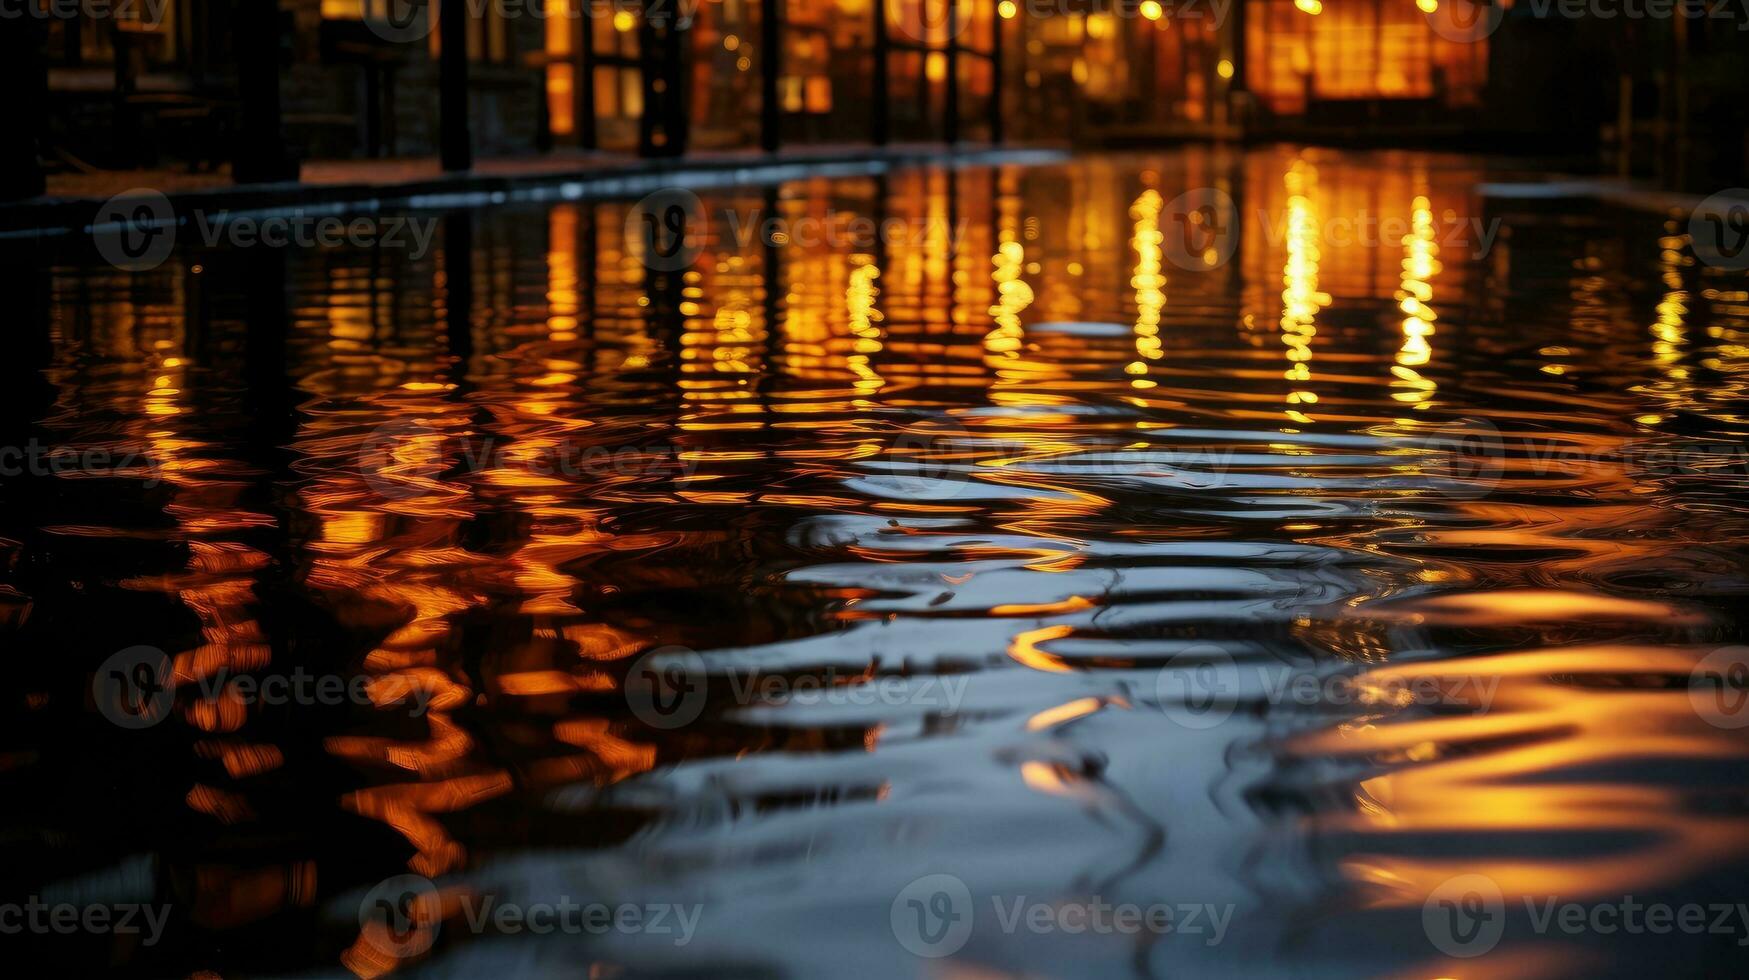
361	78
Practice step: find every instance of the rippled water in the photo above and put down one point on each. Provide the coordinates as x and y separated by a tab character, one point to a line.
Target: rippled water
1015	545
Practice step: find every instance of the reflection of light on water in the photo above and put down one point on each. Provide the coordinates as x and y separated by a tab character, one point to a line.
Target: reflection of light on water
1012	296
1414	298
1670	332
562	300
510	595
1300	297
865	331
1149	284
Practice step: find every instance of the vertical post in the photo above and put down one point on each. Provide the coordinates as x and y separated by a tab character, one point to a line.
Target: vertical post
458	289
1236	97
996	70
270	398
261	152
456	142
951	118
770	71
881	98
1679	77
26	75
1624	126
662	129
586	133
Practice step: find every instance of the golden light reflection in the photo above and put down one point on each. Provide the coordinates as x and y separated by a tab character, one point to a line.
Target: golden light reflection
1008	347
1301	299
1149	283
1415	300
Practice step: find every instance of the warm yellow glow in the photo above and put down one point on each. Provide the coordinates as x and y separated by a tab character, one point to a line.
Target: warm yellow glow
1052	717
1313	7
1427	6
731	42
1300	297
935	67
1006	9
624	21
1420	263
1151	9
859	301
1149	284
1224	68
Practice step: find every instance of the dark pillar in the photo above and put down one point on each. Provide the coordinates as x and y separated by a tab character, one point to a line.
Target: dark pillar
458	287
586	133
261	152
1237	25
951	119
662	130
27	81
770	70
881	97
456	139
996	74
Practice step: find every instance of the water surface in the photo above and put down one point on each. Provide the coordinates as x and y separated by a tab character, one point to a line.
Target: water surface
1014	545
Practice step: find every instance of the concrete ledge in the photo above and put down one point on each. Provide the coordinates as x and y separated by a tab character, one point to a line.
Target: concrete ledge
368	185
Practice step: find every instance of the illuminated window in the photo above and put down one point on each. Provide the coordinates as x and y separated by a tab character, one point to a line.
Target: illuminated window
1356	49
